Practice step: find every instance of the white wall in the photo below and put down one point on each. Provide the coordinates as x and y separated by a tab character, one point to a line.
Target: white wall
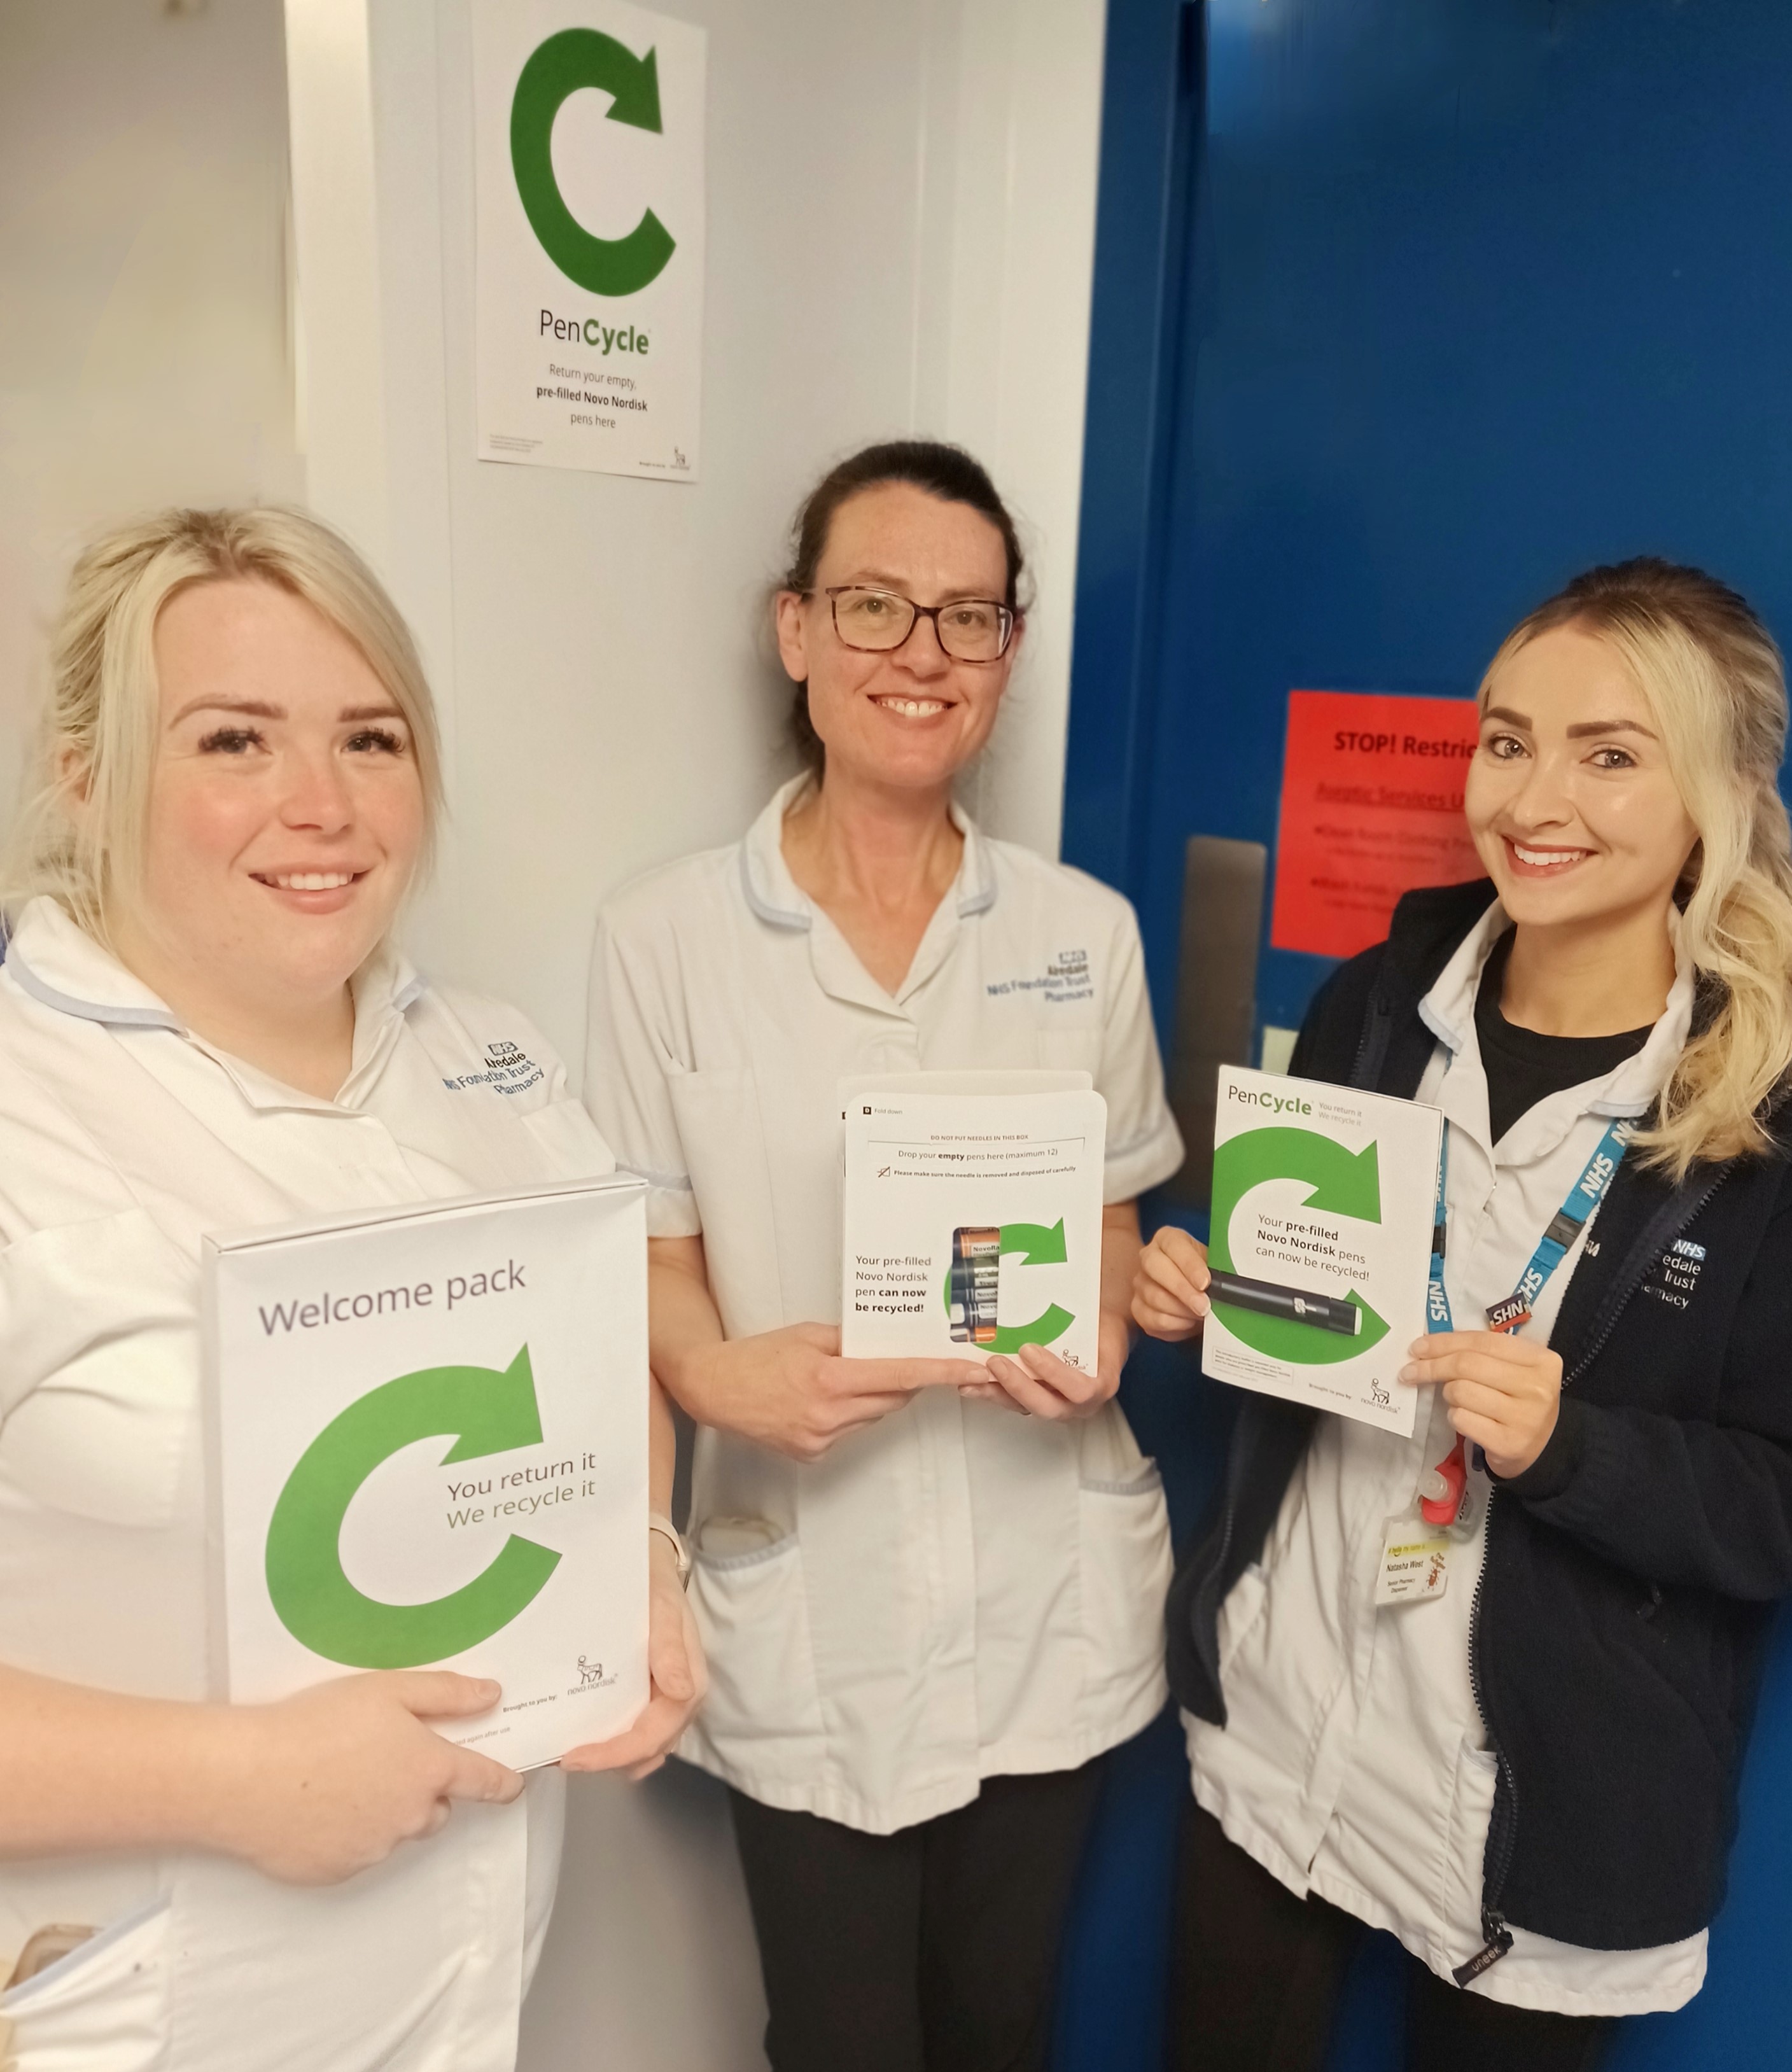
144	342
595	640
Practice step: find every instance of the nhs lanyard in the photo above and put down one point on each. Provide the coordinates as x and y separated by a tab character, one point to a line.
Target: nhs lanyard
1553	1247
1441	1488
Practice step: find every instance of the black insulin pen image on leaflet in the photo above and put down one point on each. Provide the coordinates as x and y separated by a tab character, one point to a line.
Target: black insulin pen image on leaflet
976	1268
1265	1296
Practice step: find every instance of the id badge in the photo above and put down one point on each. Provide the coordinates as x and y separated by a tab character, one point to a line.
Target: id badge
1414	1560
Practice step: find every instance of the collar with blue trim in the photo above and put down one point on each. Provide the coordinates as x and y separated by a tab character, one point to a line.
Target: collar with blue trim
53	959
776	898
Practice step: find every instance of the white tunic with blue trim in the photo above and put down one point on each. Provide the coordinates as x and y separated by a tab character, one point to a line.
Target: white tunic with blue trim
956	1593
124	1138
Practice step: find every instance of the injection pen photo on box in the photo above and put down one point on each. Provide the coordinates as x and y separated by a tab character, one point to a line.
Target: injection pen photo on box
1488	1687
931	1587
205	1027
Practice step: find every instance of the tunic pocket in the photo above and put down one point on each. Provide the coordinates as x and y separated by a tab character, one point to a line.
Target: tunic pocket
1126	1570
104	2007
1239	1613
748	1593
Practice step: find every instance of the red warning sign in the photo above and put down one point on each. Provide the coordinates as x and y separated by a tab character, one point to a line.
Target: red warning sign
1371	808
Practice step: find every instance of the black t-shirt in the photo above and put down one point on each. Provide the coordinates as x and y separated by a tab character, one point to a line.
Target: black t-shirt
1522	1068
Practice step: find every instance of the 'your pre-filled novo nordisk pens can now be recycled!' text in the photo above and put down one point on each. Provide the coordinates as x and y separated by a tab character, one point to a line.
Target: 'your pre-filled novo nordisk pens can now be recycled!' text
1328	1312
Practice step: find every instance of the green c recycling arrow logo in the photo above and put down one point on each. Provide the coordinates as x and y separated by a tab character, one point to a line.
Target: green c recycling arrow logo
572	58
1339	1183
1039	1244
484	1413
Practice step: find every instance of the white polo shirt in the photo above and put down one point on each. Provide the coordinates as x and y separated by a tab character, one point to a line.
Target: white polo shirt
124	1138
1354	1762
957	1591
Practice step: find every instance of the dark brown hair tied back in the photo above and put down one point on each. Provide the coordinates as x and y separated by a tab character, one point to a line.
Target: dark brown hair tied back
945	471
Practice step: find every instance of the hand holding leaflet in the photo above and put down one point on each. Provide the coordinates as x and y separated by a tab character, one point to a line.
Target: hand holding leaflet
1036	1381
329	1782
1171	1289
788	1389
678	1678
1504	1392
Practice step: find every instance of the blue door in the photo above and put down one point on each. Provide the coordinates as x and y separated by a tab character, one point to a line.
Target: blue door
1405	311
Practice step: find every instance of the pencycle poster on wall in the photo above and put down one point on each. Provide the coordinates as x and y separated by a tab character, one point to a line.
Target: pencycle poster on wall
589	170
427	1447
1324	1201
973	1220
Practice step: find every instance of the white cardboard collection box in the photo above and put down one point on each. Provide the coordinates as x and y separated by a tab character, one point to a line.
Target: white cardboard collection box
973	1220
427	1435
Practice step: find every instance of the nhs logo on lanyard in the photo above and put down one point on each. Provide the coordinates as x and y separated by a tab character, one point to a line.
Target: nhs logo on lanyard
1564	1226
1597	1176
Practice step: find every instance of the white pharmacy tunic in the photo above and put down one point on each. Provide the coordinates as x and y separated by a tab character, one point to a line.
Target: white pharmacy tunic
956	1593
124	1138
1354	1762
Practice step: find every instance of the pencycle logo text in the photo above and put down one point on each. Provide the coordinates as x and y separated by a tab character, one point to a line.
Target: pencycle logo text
1276	1104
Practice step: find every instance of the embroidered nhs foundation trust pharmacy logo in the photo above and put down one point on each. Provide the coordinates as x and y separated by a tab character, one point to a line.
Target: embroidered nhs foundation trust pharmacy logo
508	1070
1673	1279
1065	977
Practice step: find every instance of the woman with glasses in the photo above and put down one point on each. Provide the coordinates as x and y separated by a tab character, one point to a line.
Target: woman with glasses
931	1591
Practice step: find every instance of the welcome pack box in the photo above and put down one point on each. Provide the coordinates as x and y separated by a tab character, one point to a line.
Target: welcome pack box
1323	1205
428	1434
973	1220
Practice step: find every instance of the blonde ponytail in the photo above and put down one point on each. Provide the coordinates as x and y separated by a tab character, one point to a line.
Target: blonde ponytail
1716	686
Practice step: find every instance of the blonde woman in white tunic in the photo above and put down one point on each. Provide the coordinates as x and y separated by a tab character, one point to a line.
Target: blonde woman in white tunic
203	1025
931	1598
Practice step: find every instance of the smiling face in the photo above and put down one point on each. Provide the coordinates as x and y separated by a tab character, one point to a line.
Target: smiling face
1569	797
285	811
913	717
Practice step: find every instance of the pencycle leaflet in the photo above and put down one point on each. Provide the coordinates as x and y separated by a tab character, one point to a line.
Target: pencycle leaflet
972	1221
1323	1201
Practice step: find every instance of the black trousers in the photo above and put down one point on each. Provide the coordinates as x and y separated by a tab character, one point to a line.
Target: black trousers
1256	1974
931	1950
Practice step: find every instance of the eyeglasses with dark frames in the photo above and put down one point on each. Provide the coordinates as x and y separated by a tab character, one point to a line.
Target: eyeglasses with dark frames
969	629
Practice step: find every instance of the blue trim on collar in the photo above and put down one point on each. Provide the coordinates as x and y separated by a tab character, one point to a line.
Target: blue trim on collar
779	917
140	1018
88	1010
978	899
